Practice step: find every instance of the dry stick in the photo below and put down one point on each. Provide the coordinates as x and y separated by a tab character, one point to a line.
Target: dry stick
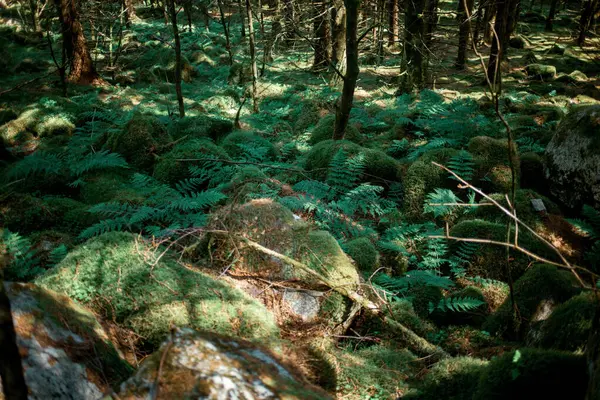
511	215
412	340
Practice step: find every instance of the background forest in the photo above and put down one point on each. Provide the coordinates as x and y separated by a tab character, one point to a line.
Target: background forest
347	199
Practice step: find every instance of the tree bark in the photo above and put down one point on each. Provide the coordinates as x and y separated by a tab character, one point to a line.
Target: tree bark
587	14
173	13
82	70
412	77
551	15
226	31
289	21
322	45
393	11
276	28
338	33
497	52
241	12
187	8
477	30
489	15
129	12
352	70
35	21
252	57
464	31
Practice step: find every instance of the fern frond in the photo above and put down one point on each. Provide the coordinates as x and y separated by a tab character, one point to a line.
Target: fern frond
456	304
100	160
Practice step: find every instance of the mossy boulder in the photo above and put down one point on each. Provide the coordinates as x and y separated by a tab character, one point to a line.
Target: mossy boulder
170	170
119	277
518	42
573	159
324	131
196	364
109	186
308	115
489	261
139	141
364	253
422	296
236	142
533	373
573	77
541	72
452	379
65	351
491	163
202	126
532	171
539	290
377	164
569	325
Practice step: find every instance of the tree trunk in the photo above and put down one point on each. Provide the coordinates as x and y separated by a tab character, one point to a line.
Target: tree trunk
393	11
322	35
489	15
464	31
587	14
352	70
551	15
35	21
289	21
252	57
414	38
129	12
499	44
226	31
173	13
275	29
187	8
241	12
11	369
477	31
338	33
82	70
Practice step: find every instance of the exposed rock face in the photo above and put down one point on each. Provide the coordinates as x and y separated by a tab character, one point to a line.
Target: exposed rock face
65	352
573	158
204	366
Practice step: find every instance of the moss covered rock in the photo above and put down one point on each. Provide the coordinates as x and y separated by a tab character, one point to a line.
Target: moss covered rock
452	379
196	364
532	373
115	276
541	71
324	131
541	288
573	160
169	170
65	351
109	186
532	172
474	317
200	127
422	296
491	159
377	164
238	143
364	253
139	141
489	261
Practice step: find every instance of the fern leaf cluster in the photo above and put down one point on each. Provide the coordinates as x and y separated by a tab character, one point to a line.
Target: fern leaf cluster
456	304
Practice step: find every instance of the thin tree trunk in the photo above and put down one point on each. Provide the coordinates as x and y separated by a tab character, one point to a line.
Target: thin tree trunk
129	12
477	30
338	33
412	77
393	11
252	57
551	15
464	31
173	13
498	44
11	369
226	31
289	21
587	14
275	30
241	12
187	8
33	6
490	13
322	35
352	70
82	70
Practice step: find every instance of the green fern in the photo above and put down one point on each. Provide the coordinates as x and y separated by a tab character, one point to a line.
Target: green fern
23	264
463	165
456	304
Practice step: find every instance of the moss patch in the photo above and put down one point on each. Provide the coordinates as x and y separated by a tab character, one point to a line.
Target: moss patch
238	143
201	126
324	131
363	251
452	379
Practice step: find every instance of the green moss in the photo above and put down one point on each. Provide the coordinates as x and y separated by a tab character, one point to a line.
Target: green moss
114	275
403	311
109	186
584	121
532	373
363	251
467	340
44	242
541	71
333	308
171	171
422	296
474	317
324	131
377	164
307	116
491	162
202	126
452	379
235	142
490	260
569	325
540	284
139	141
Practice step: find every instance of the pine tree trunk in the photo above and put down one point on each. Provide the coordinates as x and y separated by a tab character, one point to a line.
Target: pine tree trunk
489	15
11	369
352	70
499	44
173	13
187	8
35	21
338	33
322	35
412	77
393	11
276	28
289	21
464	31
241	12
252	57
82	70
477	30
226	31
551	15
587	15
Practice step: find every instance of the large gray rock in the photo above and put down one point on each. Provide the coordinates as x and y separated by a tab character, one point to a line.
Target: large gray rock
65	352
195	365
573	158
